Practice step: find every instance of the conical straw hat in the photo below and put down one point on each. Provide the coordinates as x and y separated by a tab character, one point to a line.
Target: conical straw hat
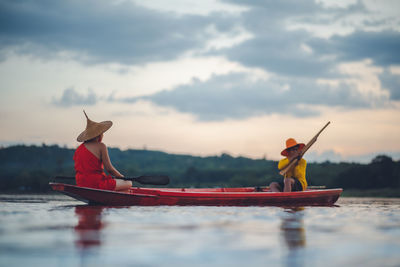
93	129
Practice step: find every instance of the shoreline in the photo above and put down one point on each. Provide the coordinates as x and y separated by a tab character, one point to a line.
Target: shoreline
375	193
370	193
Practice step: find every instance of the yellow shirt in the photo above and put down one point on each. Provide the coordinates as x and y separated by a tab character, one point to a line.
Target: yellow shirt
298	172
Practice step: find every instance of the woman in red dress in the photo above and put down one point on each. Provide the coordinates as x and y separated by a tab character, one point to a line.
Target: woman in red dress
91	157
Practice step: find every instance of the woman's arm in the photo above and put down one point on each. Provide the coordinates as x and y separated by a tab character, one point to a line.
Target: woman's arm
107	163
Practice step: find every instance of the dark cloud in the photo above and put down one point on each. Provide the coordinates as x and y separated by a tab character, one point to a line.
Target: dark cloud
236	96
391	82
123	32
279	49
70	97
284	55
101	30
274	47
381	47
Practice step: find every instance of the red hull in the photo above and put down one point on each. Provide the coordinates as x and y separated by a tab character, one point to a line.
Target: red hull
245	196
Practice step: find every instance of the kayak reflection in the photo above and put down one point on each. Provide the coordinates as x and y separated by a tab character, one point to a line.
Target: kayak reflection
293	232
293	228
89	226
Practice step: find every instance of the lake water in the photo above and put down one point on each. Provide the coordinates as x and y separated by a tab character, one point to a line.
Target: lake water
42	230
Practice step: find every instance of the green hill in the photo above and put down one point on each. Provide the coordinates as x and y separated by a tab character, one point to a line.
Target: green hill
31	168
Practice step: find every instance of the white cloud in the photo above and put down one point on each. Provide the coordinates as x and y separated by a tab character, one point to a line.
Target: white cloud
184	7
219	40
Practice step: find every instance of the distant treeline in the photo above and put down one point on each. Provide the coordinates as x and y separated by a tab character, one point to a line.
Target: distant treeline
31	168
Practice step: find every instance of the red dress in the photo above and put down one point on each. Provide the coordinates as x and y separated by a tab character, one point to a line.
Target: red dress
90	171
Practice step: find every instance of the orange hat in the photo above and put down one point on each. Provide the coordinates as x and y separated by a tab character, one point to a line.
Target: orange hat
93	129
289	144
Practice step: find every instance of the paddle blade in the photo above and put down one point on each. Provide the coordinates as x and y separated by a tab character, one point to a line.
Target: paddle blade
152	179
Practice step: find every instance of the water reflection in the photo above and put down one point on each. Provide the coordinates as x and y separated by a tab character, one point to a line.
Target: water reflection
293	228
89	226
294	235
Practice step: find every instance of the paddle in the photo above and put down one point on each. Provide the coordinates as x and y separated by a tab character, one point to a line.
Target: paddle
303	151
144	179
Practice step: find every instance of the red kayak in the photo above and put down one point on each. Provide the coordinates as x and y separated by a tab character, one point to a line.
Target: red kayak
243	196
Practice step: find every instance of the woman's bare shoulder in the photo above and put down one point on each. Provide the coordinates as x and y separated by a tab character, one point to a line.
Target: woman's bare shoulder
99	146
102	145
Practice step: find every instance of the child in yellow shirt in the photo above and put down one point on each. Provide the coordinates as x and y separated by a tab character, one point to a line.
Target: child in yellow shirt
295	179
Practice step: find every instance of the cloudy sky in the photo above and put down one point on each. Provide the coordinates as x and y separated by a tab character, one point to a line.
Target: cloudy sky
204	77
